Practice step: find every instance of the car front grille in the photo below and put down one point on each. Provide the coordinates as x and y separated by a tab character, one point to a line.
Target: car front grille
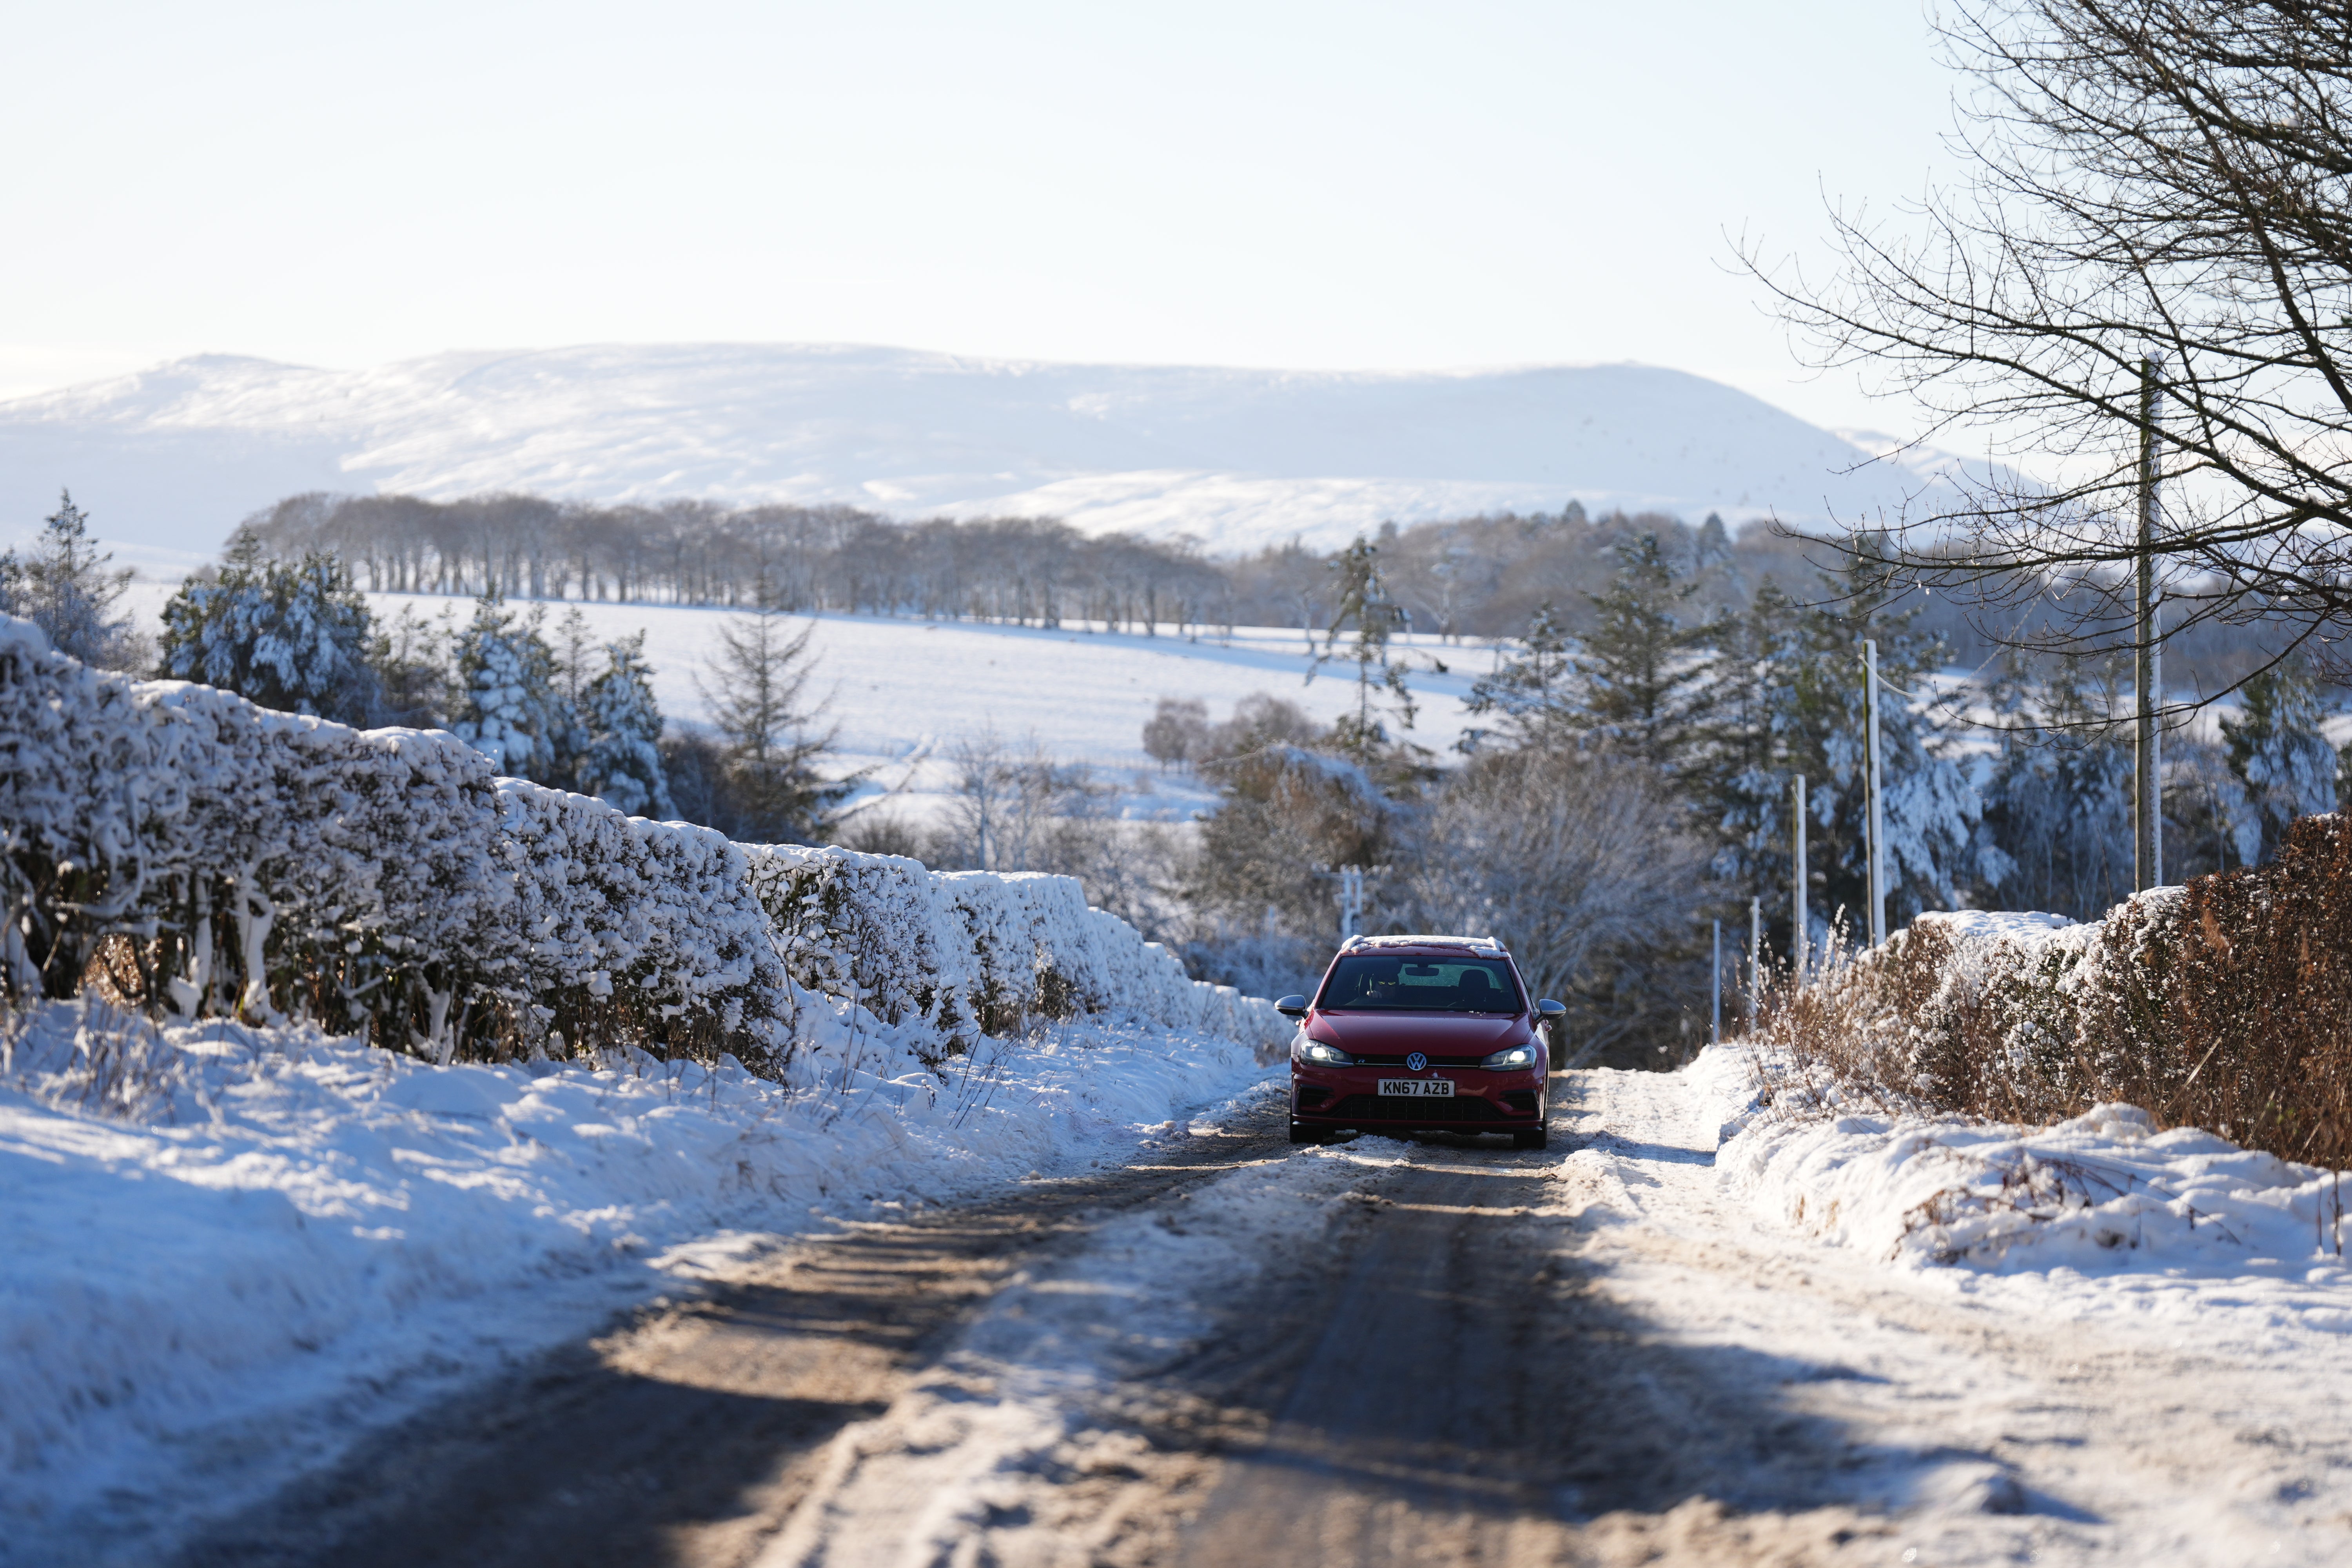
1414	1109
1433	1061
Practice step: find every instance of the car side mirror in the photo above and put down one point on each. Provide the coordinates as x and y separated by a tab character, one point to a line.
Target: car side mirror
1292	1006
1549	1009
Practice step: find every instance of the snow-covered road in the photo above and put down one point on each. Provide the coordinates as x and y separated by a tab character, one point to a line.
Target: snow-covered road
1387	1351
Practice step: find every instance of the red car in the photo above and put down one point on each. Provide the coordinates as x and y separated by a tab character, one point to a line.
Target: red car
1414	1033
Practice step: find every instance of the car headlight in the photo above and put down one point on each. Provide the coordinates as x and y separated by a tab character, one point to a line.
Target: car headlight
1321	1054
1518	1058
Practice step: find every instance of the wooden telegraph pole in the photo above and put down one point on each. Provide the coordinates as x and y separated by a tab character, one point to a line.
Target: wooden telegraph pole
1877	790
1797	939
2147	751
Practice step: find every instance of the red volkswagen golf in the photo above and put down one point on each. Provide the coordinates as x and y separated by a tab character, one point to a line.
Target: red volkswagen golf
1410	1034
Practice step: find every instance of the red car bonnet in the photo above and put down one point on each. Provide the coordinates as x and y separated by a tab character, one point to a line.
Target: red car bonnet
1445	1033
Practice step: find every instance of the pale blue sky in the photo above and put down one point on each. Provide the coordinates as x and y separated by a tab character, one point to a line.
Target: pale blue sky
1356	186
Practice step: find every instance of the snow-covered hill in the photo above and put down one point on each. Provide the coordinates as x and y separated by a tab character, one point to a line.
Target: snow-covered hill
170	457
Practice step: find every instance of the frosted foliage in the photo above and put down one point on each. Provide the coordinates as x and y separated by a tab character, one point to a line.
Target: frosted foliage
1929	807
621	763
393	865
507	707
2286	765
956	952
291	637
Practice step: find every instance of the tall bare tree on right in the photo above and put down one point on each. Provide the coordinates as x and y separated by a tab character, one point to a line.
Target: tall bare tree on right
2158	190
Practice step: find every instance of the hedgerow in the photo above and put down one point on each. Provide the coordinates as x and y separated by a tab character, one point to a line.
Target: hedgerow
2226	1004
194	854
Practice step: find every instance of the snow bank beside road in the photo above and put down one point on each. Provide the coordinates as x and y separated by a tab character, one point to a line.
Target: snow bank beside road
196	1213
2180	1223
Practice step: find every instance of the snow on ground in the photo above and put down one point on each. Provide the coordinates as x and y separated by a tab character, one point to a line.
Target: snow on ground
905	692
2050	1399
2179	1229
227	1246
961	1448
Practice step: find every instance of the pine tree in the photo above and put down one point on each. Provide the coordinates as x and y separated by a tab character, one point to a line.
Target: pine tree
2276	749
67	588
506	704
1644	682
294	638
1743	781
1365	608
1529	692
2058	807
1789	703
760	674
1930	808
621	761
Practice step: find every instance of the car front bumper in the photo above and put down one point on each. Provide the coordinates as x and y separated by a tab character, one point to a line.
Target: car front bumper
1481	1101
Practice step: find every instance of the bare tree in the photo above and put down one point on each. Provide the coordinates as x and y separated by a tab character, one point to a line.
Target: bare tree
1576	859
2158	188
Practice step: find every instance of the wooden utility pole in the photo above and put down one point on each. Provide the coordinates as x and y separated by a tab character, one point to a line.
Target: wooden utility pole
1797	937
1715	992
1877	790
1755	957
2148	750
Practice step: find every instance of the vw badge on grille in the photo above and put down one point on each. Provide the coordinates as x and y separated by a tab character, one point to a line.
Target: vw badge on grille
1416	1061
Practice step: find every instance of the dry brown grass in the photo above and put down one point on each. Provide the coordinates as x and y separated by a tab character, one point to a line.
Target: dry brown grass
2227	1005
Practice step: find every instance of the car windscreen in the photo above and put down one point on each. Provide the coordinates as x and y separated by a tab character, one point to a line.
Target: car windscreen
1370	982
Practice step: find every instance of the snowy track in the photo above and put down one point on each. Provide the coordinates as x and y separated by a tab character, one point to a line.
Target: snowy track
1387	1352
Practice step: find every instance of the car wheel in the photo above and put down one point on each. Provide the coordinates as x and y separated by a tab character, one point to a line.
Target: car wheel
1538	1139
1302	1134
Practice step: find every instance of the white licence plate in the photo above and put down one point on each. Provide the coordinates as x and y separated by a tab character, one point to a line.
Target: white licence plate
1426	1088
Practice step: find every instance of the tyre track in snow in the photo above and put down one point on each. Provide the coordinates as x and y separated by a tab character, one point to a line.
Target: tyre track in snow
689	1433
1398	1351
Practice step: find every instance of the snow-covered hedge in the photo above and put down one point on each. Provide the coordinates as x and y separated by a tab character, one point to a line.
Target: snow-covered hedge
206	854
968	952
2226	1004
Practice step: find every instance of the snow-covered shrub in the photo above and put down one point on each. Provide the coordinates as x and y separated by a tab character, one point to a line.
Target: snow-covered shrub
623	762
2221	1004
631	930
223	857
972	951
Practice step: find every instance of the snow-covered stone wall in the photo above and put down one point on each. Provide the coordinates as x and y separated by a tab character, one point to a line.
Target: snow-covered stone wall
204	856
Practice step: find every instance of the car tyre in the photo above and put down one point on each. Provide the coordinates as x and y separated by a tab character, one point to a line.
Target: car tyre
1539	1137
1302	1134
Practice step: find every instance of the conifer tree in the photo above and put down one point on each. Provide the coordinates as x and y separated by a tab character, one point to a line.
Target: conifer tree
506	704
68	587
2058	807
2274	747
622	762
759	677
1528	693
1644	682
295	638
1366	609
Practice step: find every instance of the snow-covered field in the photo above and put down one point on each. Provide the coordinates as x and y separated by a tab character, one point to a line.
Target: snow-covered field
224	1245
904	692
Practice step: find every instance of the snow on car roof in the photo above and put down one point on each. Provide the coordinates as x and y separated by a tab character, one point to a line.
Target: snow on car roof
1475	943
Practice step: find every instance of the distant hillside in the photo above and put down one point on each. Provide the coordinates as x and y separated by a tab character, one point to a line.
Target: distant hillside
172	457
